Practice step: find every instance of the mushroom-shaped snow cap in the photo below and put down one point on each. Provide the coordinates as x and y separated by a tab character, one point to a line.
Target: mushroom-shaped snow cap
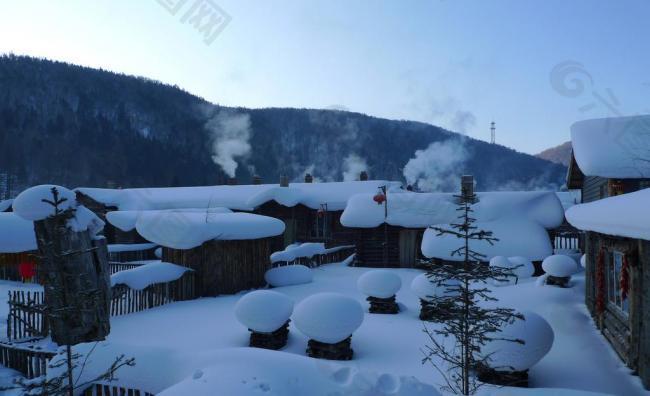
505	355
559	265
379	283
522	266
424	288
583	261
29	204
288	275
328	317
264	311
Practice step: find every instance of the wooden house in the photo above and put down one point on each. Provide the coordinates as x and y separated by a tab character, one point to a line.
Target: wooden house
229	252
114	235
610	165
18	250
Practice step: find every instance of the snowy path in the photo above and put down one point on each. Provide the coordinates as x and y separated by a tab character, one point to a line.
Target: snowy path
171	342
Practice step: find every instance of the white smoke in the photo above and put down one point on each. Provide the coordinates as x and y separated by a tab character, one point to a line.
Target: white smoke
353	165
231	132
462	121
438	167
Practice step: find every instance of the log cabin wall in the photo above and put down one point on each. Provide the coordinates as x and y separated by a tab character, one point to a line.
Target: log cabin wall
226	267
402	247
9	263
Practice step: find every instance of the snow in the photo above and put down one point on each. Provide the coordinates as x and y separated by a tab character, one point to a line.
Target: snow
624	215
328	317
379	283
242	197
148	274
84	219
29	205
615	148
173	342
130	247
525	269
288	275
189	229
5	205
306	250
158	252
126	220
422	287
538	338
253	372
16	234
516	238
583	261
264	311
420	210
569	198
559	265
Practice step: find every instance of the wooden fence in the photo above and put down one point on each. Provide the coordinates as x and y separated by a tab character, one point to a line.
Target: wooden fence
31	362
332	257
125	300
26	317
100	389
115	266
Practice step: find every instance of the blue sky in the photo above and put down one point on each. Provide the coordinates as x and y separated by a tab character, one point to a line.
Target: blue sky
455	63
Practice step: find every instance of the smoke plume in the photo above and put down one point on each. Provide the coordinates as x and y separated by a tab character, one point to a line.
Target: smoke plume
230	132
438	167
353	165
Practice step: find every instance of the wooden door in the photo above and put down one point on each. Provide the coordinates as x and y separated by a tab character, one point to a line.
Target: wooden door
408	248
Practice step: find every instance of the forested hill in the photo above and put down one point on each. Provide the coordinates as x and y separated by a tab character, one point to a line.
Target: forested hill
76	126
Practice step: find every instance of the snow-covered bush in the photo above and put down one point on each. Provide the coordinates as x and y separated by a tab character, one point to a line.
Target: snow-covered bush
328	317
505	355
288	275
422	287
525	267
30	206
379	283
559	265
264	311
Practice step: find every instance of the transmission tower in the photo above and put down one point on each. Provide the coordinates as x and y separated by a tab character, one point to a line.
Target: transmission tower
493	132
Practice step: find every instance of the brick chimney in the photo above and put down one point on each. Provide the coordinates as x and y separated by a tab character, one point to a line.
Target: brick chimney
257	179
284	181
363	176
309	178
232	181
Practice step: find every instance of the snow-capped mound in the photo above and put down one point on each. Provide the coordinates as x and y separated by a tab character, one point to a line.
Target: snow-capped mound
256	372
288	275
422	287
158	252
525	267
379	283
148	274
30	206
583	261
16	234
264	311
328	317
500	261
559	265
538	338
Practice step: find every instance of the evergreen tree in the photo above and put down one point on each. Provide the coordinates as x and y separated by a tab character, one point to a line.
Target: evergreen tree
469	323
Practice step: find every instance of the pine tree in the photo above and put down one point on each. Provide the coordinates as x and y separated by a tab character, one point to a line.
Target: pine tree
470	324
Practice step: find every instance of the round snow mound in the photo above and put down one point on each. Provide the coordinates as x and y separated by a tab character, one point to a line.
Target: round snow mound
379	283
158	253
29	205
264	311
525	269
422	287
559	265
538	338
288	275
583	261
328	317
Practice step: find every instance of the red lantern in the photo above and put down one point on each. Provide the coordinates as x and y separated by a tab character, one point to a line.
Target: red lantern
27	270
379	198
625	278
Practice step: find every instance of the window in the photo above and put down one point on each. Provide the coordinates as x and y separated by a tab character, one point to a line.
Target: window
614	283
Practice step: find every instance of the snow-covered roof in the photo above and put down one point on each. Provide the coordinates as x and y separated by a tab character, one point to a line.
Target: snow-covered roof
569	198
148	274
242	197
16	234
625	215
616	147
126	220
189	229
5	205
420	210
130	247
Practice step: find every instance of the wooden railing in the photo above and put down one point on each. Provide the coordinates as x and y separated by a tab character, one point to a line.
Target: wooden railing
125	300
28	360
100	389
26	317
115	266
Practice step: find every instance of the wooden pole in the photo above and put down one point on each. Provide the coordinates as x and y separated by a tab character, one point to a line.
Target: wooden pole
68	350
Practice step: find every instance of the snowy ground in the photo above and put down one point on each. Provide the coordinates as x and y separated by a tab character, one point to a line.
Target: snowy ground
172	342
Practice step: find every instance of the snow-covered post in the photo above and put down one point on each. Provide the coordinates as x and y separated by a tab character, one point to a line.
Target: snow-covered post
380	286
559	269
266	314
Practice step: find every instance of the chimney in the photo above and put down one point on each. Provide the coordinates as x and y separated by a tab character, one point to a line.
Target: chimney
363	176
284	181
257	179
309	178
467	187
232	181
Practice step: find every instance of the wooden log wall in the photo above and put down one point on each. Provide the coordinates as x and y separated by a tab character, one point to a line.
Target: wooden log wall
31	362
642	324
9	263
134	255
370	247
226	267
